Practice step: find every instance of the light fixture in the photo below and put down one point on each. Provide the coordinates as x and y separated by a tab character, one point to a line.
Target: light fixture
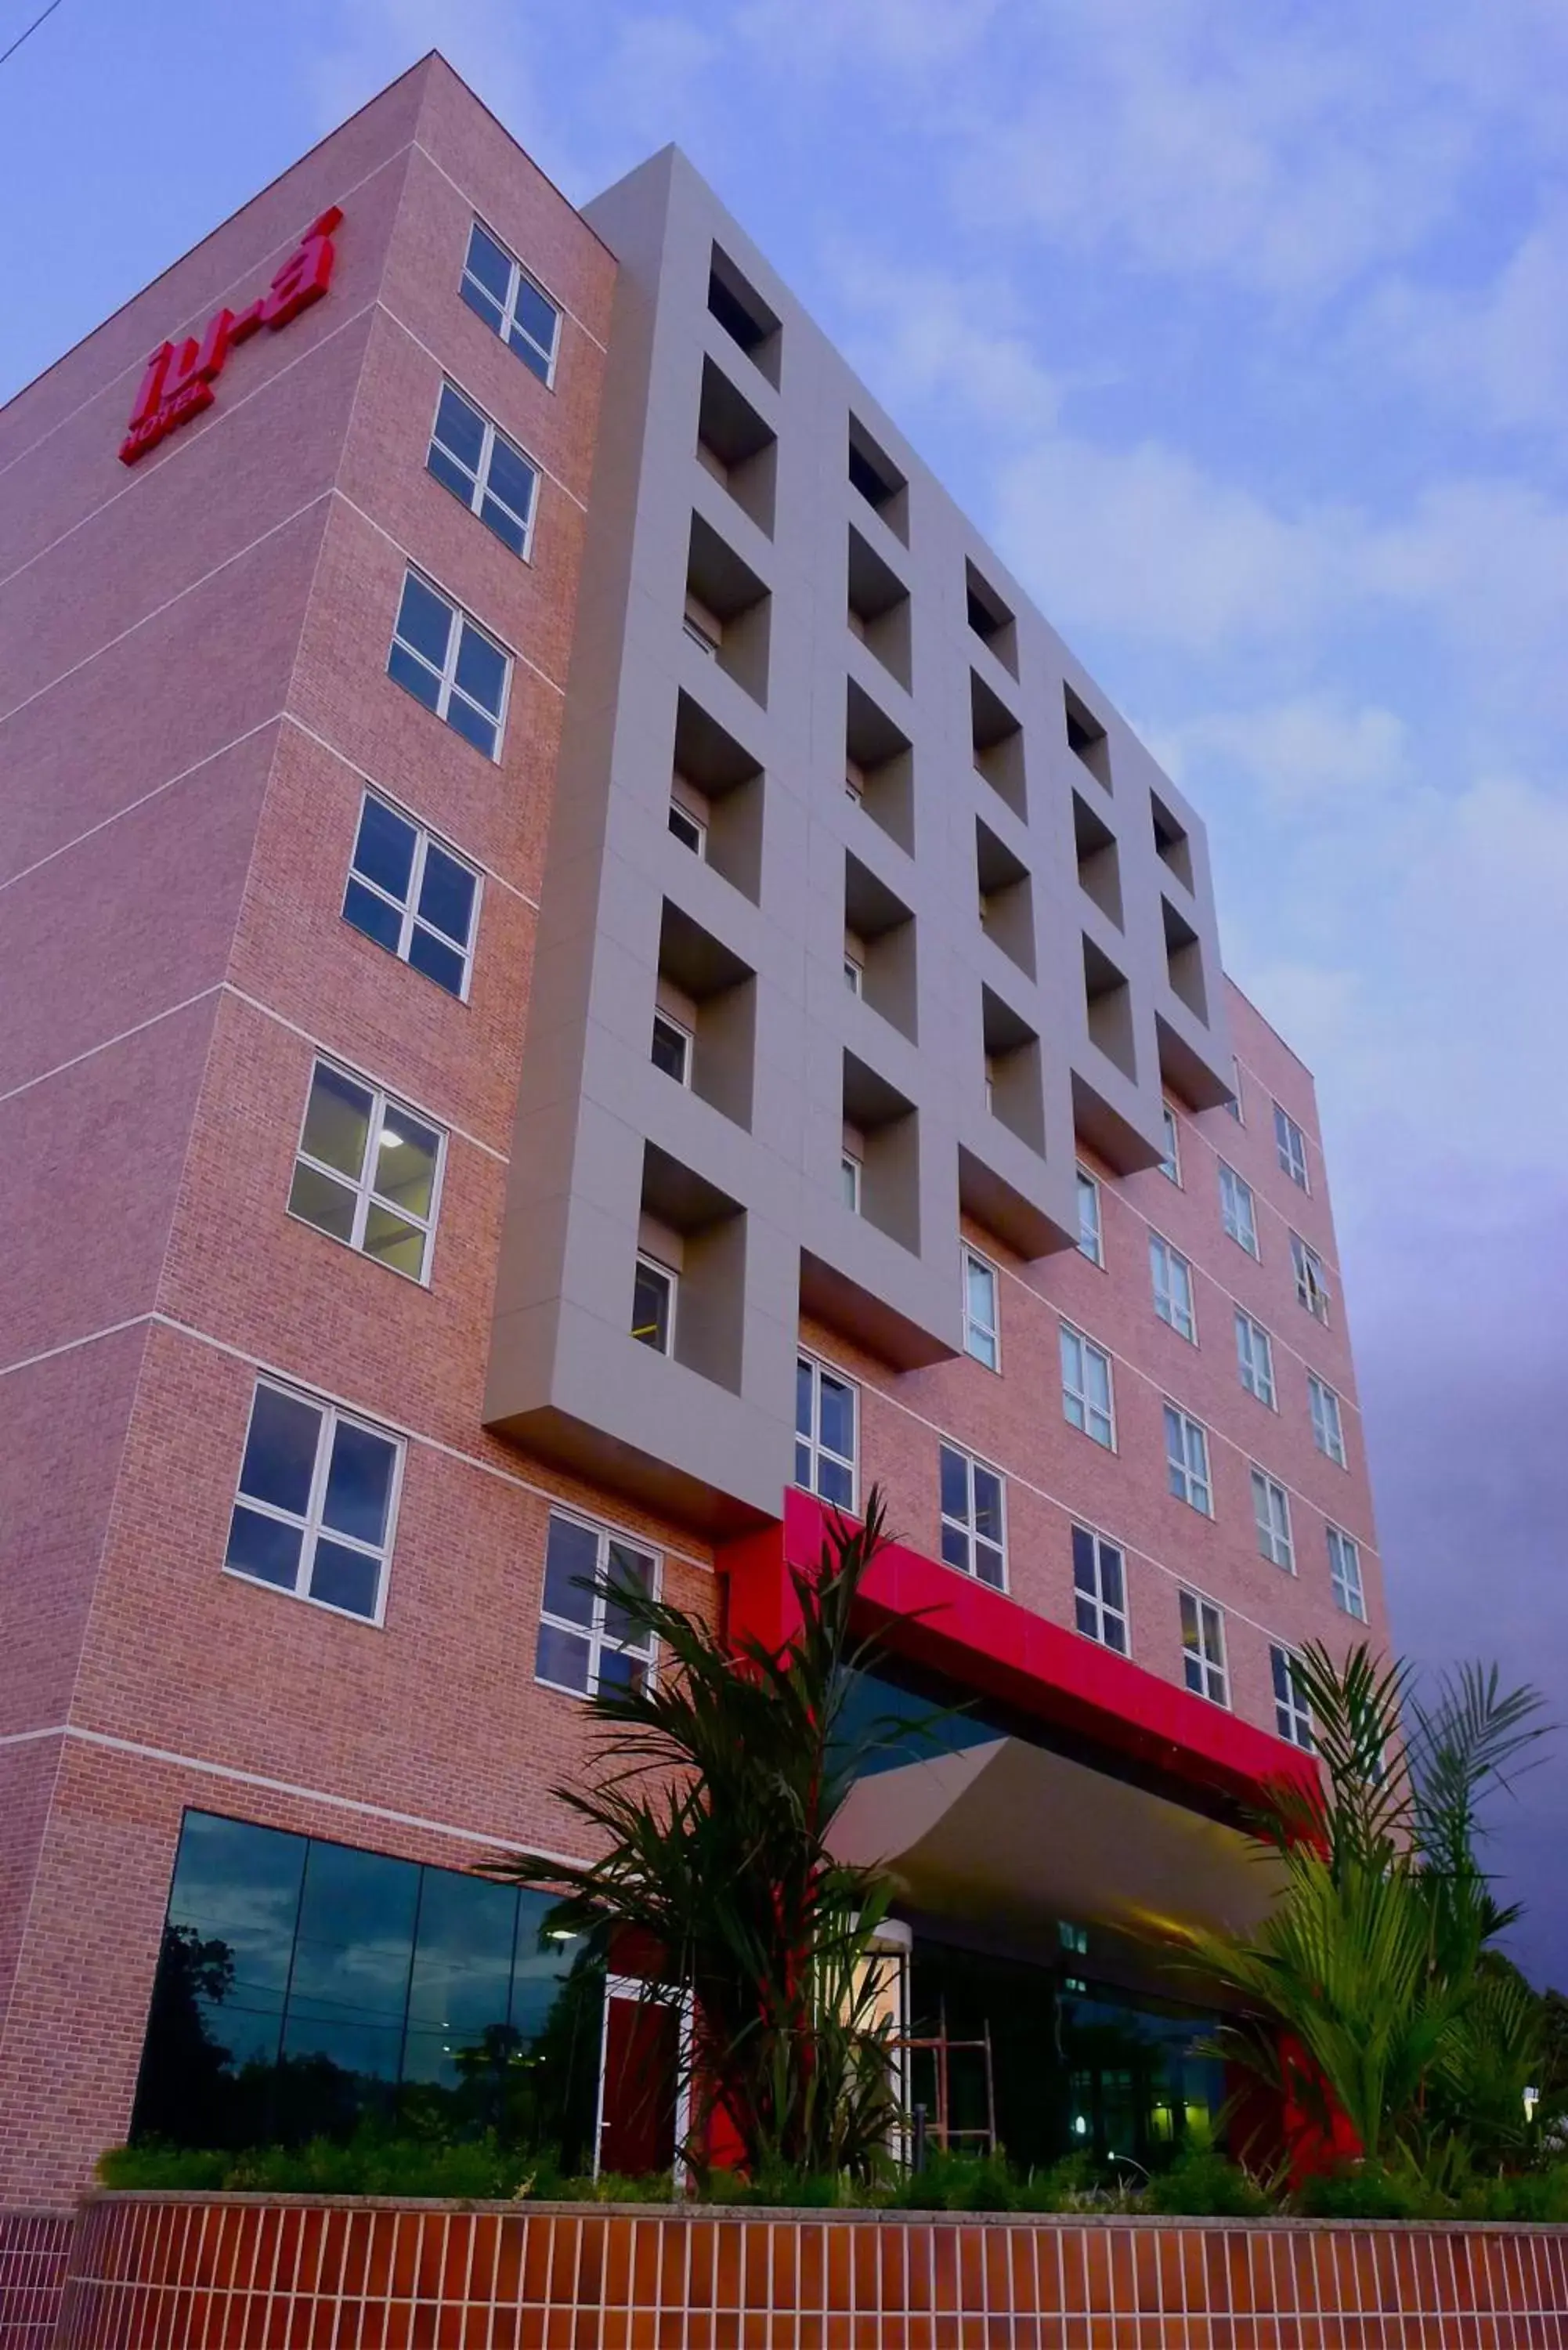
560	1934
1531	2099
392	1139
1080	2126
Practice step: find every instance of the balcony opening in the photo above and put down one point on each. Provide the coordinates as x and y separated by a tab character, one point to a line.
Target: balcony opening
1099	864
1184	962
717	780
883	929
697	1235
1108	1001
736	447
1086	737
878	605
888	1127
991	619
879	481
998	745
1015	1093
879	767
1171	844
745	318
1006	898
706	989
727	610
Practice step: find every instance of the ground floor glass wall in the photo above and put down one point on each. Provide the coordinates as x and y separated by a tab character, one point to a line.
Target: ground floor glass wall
304	1987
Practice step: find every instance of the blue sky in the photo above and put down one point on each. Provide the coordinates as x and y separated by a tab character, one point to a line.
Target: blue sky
1244	332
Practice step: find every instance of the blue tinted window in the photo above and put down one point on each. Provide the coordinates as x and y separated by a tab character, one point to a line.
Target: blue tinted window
412	896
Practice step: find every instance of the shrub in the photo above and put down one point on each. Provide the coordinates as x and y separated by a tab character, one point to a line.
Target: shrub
1202	2184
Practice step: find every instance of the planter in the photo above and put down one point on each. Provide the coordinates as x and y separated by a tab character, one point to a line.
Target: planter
224	2271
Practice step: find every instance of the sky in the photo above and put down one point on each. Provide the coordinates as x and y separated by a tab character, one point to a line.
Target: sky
1242	332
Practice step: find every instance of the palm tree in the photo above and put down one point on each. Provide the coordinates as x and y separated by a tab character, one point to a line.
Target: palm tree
1369	1996
715	1787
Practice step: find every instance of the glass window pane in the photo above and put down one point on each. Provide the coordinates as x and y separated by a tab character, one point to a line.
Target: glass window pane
837	1430
460	1992
631	1571
459	429
338	1122
954	1483
352	1959
504	523
424	620
384	852
511	479
802	1464
280	1451
323	1202
651	1296
472	725
1087	1617
481	670
530	358
241	1884
835	1484
619	1669
562	1658
1115	1635
488	263
359	1483
955	1547
450	473
988	1566
446	895
390	1240
420	681
373	915
988	1505
406	1155
571	1554
1111	1575
345	1578
1083	1559
535	314
222	1974
804	1385
436	960
264	1547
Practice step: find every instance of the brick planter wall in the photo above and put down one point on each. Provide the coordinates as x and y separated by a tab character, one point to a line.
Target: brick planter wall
221	2273
32	2250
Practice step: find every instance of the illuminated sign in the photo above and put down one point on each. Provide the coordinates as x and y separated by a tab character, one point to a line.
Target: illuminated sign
178	382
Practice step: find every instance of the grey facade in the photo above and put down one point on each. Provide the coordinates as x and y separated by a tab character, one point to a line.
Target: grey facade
789	627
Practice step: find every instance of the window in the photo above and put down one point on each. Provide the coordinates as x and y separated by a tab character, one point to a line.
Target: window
982	1332
1086	1388
444	661
1255	1359
1203	1648
1234	1101
689	830
1291	1144
1187	1460
587	1640
823	1433
854	973
849	1170
1272	1516
1238	1211
1292	1715
368	1173
469	456
1312	1284
1091	1225
412	897
1344	1575
498	290
316	1501
1099	1590
1170	1165
672	1049
653	1306
1172	1288
1327	1427
974	1531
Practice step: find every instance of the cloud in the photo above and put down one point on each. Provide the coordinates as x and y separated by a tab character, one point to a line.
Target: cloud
820	35
1494	353
931	339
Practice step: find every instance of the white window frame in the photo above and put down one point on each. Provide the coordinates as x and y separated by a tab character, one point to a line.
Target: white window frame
310	1526
1175	1300
1239	1211
988	1334
411	919
1178	1463
458	618
1345	1579
1255	1360
671	1279
854	973
1075	1391
851	1175
1291	1148
1293	1714
490	433
1311	1282
366	1196
520	277
817	1449
1234	1103
593	1633
1327	1421
967	1526
1103	1610
1095	1225
688	1044
1207	1618
1272	1520
698	847
1170	1165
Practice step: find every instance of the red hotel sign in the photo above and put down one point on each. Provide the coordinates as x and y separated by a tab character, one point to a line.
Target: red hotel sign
178	383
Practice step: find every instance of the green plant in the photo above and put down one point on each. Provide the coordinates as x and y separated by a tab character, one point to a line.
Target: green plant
714	1791
1370	1996
1202	2183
